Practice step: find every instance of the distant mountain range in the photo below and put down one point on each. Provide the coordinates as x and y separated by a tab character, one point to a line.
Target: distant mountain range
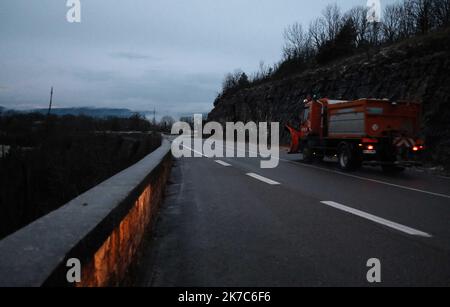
93	112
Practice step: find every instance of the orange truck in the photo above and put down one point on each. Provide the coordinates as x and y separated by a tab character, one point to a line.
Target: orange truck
370	131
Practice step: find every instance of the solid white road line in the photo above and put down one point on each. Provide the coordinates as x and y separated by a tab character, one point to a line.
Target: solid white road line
222	163
375	180
263	179
379	220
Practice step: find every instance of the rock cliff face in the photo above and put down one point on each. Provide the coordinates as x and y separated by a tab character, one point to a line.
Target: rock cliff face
417	69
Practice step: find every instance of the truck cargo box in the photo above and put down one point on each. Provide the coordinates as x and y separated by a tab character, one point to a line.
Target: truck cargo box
372	118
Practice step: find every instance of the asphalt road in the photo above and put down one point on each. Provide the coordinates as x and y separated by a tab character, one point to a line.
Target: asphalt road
227	222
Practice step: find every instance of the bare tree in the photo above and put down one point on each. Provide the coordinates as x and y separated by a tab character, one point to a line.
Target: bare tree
407	20
333	20
441	12
264	71
231	80
324	29
422	12
335	35
298	43
391	22
317	33
358	15
294	38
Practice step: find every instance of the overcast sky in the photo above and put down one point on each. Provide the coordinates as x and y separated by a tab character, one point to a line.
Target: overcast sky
139	54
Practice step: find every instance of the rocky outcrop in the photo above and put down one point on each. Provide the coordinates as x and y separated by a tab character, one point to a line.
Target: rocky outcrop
417	69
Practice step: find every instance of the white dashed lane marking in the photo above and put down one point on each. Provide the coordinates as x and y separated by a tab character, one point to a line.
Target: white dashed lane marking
222	163
379	220
263	179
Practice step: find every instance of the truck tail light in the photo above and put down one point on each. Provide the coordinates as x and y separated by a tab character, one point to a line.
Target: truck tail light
368	140
369	149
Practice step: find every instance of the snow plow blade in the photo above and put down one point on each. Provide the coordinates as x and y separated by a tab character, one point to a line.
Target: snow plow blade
295	140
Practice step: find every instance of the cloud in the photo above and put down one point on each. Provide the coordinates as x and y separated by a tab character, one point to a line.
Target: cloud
165	54
127	55
89	75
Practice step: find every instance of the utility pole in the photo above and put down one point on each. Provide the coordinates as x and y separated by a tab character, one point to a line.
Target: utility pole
154	116
51	99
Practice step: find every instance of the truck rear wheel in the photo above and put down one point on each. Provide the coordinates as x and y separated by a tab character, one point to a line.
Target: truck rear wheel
348	160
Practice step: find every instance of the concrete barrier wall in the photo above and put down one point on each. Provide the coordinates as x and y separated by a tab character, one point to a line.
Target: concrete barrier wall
103	228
